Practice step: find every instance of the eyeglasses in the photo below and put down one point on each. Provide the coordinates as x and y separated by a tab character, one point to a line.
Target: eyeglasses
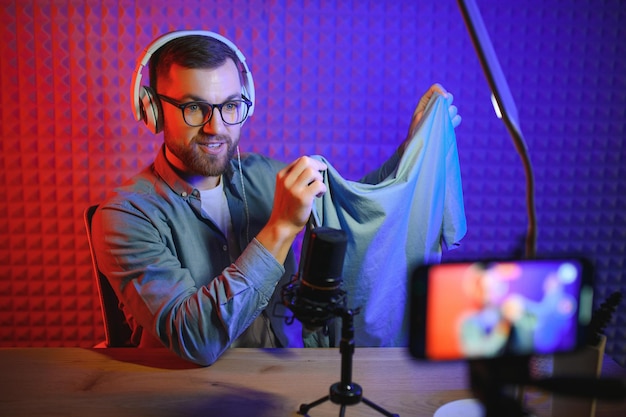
199	113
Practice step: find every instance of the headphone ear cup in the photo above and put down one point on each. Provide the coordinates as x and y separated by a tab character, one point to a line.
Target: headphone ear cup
151	112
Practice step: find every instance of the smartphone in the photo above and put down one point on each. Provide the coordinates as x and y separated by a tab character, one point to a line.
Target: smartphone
480	310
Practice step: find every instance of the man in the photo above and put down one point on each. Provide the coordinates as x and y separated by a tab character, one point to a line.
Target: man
198	244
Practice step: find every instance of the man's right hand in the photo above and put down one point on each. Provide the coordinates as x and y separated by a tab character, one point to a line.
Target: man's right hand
297	185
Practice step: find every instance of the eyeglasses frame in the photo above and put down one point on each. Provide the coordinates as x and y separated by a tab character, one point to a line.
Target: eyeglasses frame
182	107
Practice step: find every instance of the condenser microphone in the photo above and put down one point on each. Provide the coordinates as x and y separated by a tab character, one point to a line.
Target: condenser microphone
315	295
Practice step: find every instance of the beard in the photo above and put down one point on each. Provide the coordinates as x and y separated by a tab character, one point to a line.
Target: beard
198	162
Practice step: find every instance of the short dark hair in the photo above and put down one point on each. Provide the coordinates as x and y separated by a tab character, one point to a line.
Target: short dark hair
193	51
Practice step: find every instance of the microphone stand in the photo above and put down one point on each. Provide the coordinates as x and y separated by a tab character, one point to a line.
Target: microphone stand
345	392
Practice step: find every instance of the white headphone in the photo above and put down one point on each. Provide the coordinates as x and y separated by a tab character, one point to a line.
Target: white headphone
146	104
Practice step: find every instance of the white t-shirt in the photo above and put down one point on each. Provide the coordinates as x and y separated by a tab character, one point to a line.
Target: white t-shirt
215	205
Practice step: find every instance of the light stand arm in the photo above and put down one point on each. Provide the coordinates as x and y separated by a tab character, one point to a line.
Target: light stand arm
504	106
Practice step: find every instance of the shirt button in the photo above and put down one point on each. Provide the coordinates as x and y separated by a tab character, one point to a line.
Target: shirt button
225	248
184	194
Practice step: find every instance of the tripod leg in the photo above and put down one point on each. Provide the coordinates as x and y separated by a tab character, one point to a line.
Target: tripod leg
379	408
304	408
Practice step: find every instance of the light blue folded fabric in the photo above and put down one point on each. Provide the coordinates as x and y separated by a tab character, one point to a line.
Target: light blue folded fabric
396	225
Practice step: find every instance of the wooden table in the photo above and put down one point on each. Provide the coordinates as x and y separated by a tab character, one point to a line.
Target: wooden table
244	382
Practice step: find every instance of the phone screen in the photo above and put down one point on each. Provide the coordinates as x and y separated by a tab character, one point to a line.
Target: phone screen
499	308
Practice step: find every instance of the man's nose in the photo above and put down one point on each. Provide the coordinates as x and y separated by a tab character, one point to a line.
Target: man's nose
215	125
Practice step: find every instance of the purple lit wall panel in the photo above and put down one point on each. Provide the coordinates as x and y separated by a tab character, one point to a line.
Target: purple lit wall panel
338	78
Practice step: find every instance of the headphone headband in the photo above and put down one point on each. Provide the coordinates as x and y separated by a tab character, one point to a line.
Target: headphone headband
142	97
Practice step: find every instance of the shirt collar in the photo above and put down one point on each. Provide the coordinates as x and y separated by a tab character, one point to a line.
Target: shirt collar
170	175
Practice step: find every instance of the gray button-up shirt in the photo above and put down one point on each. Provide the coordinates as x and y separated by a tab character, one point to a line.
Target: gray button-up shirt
171	265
